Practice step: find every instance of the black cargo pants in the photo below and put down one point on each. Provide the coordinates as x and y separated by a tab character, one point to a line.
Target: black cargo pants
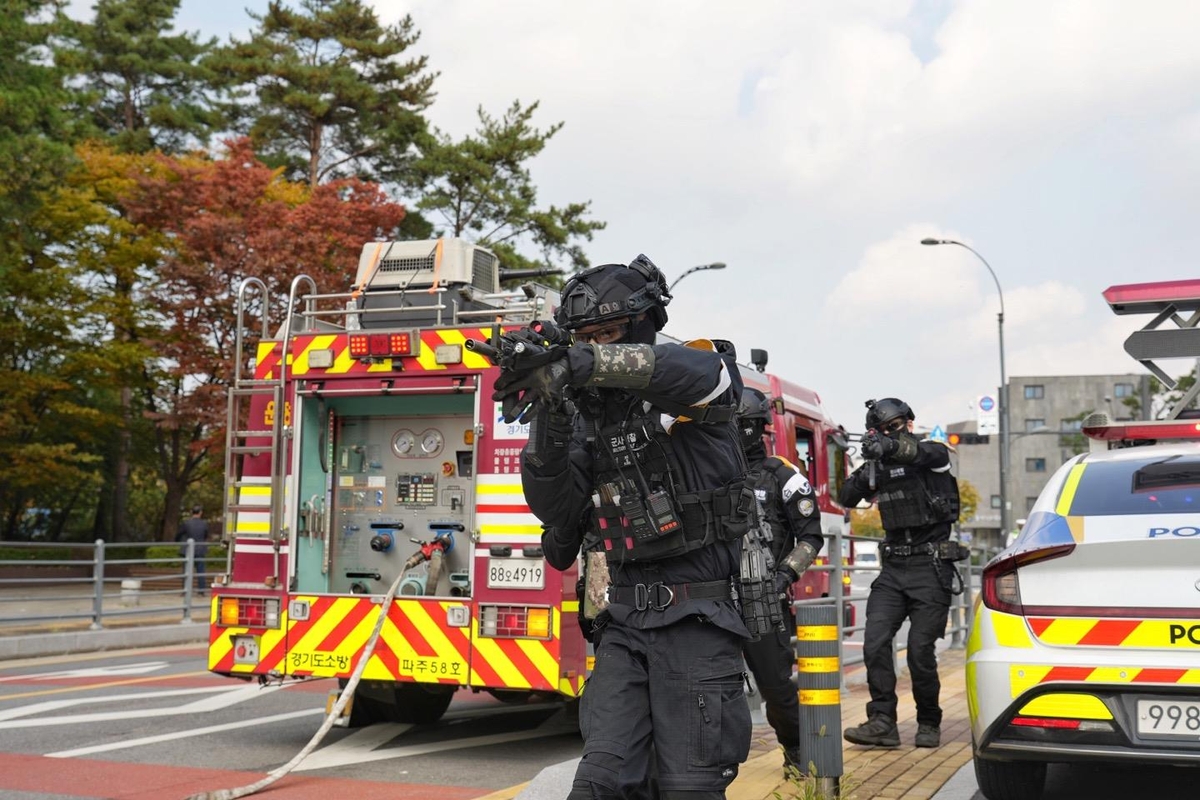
672	693
771	659
907	586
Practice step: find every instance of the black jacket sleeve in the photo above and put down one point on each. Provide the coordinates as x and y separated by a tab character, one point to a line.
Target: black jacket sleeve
561	546
560	493
799	502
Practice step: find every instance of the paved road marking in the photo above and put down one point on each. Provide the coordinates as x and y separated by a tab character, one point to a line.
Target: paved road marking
229	698
90	672
167	737
360	748
87	686
54	705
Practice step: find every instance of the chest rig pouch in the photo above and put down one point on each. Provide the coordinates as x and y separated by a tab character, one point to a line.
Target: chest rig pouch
913	498
641	512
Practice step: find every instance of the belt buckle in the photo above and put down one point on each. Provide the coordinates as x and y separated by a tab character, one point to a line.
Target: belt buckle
648	596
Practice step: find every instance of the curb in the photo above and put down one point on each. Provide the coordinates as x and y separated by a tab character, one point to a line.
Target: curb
87	641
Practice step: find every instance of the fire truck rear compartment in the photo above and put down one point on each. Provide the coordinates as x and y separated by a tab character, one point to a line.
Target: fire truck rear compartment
398	491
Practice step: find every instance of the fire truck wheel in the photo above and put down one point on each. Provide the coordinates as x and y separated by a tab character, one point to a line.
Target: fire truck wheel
419	703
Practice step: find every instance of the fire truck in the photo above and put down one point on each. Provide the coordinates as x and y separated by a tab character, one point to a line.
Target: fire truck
363	448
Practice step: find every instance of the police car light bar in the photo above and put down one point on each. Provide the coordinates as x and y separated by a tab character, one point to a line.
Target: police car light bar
1153	298
1141	430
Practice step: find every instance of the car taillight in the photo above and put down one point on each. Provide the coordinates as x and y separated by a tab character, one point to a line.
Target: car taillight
1001	586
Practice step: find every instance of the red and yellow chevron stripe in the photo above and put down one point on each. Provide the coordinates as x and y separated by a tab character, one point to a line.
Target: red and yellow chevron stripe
415	644
1093	632
1022	677
267	363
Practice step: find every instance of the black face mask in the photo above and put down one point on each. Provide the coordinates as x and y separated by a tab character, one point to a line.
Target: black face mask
641	331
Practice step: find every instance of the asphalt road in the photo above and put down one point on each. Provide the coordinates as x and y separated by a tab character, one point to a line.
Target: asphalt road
157	724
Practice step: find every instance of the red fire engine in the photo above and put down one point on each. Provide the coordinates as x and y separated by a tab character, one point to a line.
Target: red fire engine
363	448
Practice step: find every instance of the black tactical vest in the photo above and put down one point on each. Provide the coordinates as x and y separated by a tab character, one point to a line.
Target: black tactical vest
640	509
914	497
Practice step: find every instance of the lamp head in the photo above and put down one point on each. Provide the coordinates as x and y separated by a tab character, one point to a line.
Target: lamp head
931	240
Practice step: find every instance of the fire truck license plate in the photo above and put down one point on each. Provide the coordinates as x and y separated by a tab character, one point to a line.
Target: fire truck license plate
516	573
1168	717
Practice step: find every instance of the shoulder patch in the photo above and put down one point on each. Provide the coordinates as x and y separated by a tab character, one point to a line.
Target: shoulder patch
807	506
797	484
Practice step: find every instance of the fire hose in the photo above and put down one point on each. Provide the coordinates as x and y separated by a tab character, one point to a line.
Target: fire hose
431	551
334	713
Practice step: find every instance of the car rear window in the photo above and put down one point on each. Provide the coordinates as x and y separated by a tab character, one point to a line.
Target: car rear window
1170	485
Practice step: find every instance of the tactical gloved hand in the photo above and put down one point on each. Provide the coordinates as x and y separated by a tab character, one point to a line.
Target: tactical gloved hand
530	351
520	393
875	446
783	579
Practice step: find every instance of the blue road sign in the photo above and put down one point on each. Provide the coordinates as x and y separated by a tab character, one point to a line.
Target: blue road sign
938	434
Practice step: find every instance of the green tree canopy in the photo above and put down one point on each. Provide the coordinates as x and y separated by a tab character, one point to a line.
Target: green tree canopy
480	188
141	86
328	92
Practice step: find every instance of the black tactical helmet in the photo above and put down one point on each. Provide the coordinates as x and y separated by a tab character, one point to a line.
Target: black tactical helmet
882	411
754	416
613	291
754	405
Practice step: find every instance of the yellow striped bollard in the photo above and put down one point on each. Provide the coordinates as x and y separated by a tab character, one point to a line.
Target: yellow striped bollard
819	678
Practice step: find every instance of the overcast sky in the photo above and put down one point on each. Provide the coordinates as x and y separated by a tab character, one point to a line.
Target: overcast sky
811	145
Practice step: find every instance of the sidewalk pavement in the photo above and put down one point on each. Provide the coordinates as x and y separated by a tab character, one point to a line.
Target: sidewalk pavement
903	773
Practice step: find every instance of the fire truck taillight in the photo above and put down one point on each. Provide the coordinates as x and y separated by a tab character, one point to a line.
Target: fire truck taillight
249	612
514	622
383	345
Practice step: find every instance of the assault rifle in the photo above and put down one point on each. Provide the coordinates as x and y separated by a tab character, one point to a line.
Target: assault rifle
504	350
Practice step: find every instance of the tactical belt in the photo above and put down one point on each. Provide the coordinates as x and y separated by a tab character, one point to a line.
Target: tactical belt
661	596
903	550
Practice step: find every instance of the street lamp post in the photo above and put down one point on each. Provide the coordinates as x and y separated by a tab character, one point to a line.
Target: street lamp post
689	271
1004	418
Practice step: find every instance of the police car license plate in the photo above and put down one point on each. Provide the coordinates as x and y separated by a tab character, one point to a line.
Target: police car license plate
516	573
1169	717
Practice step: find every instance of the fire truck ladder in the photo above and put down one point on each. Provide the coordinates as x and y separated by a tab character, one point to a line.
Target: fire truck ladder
238	444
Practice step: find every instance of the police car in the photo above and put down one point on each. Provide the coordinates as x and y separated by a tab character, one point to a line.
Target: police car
1086	637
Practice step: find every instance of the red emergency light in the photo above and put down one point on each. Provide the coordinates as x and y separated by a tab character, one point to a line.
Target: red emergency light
1152	298
383	345
1145	429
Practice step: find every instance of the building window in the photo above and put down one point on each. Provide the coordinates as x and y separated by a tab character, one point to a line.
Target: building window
1035	465
1123	390
1035	391
1029	501
1072	425
995	501
1032	425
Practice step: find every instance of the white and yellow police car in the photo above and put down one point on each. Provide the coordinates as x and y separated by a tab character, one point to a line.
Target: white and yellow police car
1085	643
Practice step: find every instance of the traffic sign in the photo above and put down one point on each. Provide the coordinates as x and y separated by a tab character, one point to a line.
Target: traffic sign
938	434
988	421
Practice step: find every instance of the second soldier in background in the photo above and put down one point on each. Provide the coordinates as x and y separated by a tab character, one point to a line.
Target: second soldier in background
788	506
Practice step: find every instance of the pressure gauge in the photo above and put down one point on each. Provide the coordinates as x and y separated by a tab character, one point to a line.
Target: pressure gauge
431	442
403	443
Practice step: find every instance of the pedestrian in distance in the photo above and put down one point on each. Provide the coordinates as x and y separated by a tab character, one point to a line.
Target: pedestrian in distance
788	507
195	528
648	473
918	502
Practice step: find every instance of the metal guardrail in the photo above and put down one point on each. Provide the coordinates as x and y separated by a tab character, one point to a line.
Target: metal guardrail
100	595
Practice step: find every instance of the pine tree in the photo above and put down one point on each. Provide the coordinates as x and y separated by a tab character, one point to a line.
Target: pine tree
325	92
140	85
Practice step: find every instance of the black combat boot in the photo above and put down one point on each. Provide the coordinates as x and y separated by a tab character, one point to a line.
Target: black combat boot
792	765
928	735
878	731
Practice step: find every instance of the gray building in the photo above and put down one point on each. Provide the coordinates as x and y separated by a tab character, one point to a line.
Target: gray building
1046	414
